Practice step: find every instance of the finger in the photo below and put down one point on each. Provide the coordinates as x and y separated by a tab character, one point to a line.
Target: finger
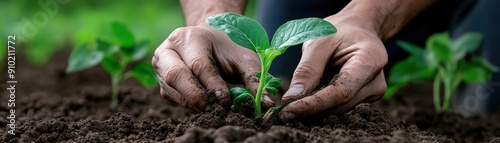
308	73
177	77
371	92
355	74
197	56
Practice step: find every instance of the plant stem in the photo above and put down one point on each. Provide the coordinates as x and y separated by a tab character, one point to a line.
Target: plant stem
266	57
116	79
453	80
115	83
437	99
447	96
269	111
263	75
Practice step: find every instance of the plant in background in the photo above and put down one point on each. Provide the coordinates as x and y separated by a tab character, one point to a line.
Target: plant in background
114	57
443	60
251	35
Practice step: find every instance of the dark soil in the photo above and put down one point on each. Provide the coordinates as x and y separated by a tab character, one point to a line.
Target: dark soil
414	104
54	107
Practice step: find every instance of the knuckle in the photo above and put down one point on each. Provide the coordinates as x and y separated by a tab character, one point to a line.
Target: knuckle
214	83
181	35
382	61
177	35
379	91
380	58
198	65
173	73
154	61
305	71
344	96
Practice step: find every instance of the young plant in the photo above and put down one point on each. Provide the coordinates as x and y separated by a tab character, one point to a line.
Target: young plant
251	35
114	57
443	60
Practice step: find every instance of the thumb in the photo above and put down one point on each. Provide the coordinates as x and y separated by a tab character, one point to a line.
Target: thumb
307	74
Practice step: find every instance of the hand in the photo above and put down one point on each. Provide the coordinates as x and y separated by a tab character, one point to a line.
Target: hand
193	62
362	55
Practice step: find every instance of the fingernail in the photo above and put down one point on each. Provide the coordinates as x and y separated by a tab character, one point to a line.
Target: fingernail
287	116
294	90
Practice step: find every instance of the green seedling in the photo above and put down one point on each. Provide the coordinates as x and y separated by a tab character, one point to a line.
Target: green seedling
251	35
115	57
444	61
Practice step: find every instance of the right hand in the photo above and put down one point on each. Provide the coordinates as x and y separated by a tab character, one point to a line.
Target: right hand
194	62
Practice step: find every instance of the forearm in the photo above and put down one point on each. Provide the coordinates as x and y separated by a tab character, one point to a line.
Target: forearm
195	11
386	17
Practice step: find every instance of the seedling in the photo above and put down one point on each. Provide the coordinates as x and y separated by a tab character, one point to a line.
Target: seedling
443	60
251	35
114	57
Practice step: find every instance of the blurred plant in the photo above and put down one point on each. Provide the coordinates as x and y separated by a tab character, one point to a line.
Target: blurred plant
76	22
443	60
115	53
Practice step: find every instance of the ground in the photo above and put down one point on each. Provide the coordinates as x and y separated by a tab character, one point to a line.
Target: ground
52	106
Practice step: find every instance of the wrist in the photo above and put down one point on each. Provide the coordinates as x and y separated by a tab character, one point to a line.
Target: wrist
196	11
385	18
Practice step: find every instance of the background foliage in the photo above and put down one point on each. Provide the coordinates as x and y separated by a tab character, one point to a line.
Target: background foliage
80	22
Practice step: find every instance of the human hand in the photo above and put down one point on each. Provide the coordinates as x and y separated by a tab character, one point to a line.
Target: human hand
193	63
358	49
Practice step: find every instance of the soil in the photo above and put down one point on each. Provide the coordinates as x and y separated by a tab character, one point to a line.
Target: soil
52	106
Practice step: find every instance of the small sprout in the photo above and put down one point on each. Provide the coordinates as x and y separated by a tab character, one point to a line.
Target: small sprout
114	57
443	60
251	35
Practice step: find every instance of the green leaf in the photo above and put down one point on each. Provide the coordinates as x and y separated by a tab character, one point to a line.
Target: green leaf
83	57
392	89
123	34
419	53
111	64
236	91
475	74
240	94
298	31
106	48
466	43
411	69
241	30
414	50
145	74
484	63
137	52
241	98
439	46
272	84
271	89
478	70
